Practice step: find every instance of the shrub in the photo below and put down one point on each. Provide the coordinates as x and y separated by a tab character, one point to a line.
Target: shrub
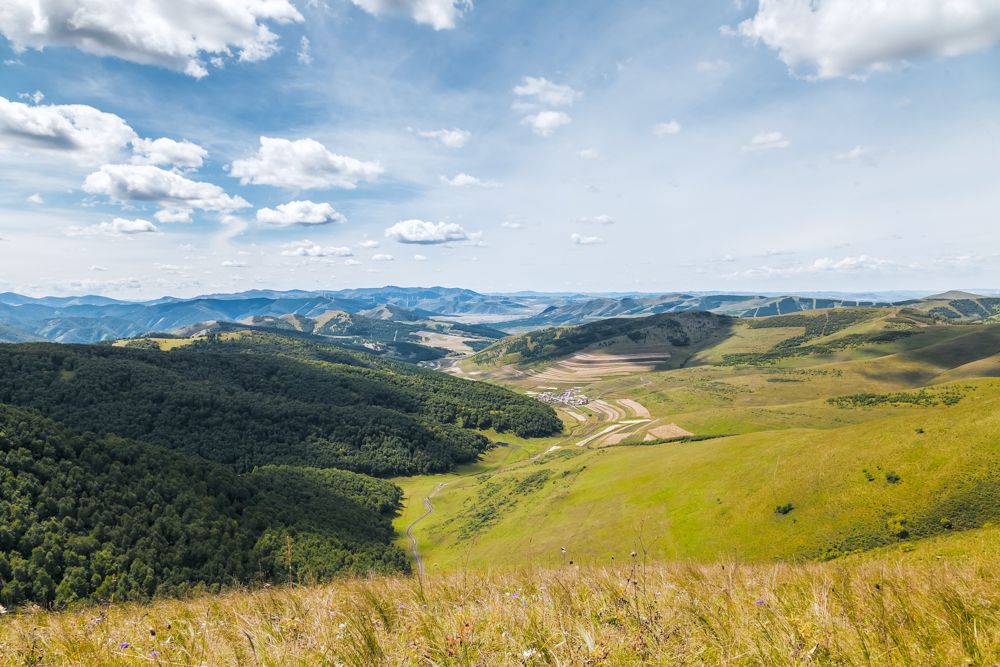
784	509
898	526
893	478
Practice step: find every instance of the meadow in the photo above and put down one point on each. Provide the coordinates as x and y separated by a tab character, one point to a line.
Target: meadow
931	603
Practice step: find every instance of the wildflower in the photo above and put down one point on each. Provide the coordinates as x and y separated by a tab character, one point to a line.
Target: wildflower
530	653
3	610
124	645
515	595
342	626
760	603
153	654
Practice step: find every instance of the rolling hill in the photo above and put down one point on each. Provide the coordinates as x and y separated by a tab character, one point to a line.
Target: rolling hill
797	437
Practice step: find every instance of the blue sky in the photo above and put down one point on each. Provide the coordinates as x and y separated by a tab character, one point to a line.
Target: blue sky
499	146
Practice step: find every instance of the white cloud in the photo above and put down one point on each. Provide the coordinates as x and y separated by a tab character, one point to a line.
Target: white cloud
35	97
233	264
307	248
439	14
464	180
542	91
173	215
825	265
588	154
177	194
369	243
454	138
767	141
426	233
36	199
835	38
86	134
302	165
586	240
853	155
598	220
383	258
305	54
544	123
175	35
420	258
351	262
507	224
300	213
117	227
667	129
97	267
167	151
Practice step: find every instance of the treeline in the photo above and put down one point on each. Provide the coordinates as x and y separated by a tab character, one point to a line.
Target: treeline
270	400
84	518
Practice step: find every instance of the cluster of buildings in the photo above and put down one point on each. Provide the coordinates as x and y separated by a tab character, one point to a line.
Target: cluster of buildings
567	397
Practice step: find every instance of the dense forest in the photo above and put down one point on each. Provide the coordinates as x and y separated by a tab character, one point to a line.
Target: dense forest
127	473
239	404
84	517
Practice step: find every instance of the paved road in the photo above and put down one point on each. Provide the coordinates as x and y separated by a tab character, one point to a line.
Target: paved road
409	529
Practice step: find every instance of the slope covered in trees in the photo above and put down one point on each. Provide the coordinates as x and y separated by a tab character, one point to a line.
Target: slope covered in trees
270	400
84	517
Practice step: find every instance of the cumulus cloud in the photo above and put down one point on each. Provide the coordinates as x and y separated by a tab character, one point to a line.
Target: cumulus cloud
307	248
602	219
546	93
586	240
834	38
420	258
464	180
667	129
233	264
176	35
544	123
454	138
426	233
35	97
369	243
168	152
383	258
85	134
300	213
176	193
36	199
439	14
767	141
117	227
302	164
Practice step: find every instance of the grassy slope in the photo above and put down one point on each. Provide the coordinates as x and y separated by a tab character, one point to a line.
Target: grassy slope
715	499
934	605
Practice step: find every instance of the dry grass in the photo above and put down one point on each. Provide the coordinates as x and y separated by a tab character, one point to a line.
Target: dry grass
880	611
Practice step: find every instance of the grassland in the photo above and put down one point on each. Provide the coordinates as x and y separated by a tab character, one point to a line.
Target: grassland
823	431
932	603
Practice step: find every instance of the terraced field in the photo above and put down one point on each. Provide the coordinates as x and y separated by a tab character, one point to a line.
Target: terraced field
820	439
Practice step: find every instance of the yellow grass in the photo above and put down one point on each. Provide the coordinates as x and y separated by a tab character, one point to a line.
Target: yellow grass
889	609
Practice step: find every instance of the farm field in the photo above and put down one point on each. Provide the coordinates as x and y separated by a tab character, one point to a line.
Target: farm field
860	445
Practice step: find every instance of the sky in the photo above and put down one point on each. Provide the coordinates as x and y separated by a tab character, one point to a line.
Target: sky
183	147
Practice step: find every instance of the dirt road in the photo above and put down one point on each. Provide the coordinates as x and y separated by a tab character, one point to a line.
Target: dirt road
409	529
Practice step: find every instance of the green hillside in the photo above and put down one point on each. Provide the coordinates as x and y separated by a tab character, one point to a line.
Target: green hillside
804	436
656	333
86	517
247	405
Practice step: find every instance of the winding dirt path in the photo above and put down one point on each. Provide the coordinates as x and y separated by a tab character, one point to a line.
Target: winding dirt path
409	529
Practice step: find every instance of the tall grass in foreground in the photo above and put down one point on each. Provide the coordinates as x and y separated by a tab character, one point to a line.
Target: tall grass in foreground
855	612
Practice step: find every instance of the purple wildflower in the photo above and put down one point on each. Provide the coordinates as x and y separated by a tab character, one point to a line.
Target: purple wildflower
124	645
760	603
153	654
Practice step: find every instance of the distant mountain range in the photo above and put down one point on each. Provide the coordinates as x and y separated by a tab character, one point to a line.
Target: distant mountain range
371	312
